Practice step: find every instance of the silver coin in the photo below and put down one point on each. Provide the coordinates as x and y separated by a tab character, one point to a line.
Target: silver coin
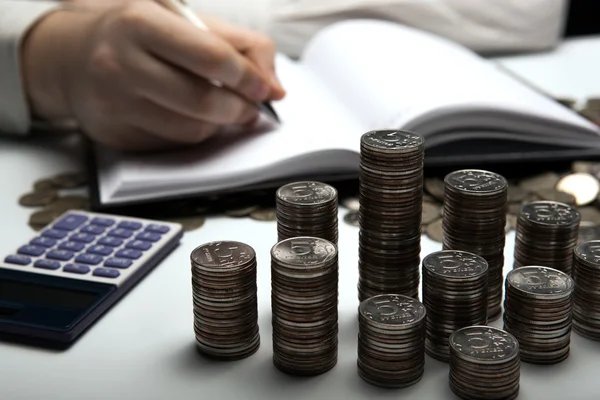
352	203
392	310
455	264
351	218
307	193
224	254
484	345
475	181
550	213
546	180
302	252
540	281
583	186
392	140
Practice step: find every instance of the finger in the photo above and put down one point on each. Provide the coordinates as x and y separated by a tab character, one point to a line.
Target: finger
169	125
205	54
189	95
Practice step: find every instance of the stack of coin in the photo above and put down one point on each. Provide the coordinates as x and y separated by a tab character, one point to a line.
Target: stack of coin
390	340
304	301
586	298
455	295
484	364
475	221
307	209
538	312
225	301
390	194
547	233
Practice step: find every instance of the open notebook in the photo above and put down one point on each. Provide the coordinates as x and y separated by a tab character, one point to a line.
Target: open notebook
357	76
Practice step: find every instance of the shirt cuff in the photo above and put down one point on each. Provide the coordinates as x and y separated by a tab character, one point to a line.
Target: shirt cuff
16	18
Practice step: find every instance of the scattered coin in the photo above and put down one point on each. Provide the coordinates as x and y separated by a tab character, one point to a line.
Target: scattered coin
590	214
307	209
588	231
70	202
455	294
69	180
586	301
516	194
556	195
304	304
190	223
431	212
44	184
484	363
38	198
538	312
390	193
40	219
351	218
547	233
391	350
241	212
435	187
351	203
225	301
512	222
435	231
264	214
514	208
546	180
584	187
582	166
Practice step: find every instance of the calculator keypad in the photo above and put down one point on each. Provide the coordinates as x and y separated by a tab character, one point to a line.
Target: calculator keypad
80	244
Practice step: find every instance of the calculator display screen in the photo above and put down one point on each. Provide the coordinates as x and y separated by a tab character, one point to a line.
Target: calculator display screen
44	295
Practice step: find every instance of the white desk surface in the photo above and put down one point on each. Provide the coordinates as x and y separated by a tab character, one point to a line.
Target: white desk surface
144	347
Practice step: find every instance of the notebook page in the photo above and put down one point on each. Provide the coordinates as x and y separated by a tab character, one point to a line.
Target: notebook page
389	74
313	119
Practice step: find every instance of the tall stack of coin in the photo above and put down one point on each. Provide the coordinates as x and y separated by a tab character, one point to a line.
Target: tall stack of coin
455	295
484	364
586	299
307	209
390	194
304	301
538	312
547	233
390	340
225	301
475	221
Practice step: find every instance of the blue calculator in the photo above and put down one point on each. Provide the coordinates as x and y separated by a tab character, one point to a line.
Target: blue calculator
54	287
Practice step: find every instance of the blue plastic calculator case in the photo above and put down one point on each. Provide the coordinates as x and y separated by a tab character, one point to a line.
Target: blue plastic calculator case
59	283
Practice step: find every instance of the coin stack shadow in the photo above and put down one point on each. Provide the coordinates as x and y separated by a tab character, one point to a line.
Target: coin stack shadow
455	295
391	349
390	195
538	312
475	221
484	364
225	300
304	301
586	297
307	209
547	233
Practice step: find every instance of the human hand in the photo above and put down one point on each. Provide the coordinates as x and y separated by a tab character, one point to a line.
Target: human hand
136	77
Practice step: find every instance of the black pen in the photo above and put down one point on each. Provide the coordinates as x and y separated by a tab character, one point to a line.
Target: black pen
179	7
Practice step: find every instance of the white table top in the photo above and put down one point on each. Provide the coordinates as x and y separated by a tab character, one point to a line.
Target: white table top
144	347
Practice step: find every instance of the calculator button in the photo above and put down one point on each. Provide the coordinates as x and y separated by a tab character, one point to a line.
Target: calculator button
83	238
100	250
46	264
70	222
110	241
19	260
121	232
91	259
71	246
31	250
149	236
118	263
94	229
43	241
61	255
106	273
157	228
54	234
76	268
139	245
129	253
103	221
134	226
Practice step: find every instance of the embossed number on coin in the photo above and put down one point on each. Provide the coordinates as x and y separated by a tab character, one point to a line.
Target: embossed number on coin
484	343
473	180
540	280
549	212
222	254
307	193
392	309
456	264
304	251
392	139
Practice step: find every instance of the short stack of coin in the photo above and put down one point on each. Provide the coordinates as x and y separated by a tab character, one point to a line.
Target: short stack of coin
390	195
304	301
475	221
307	209
547	233
538	312
225	301
390	340
455	295
586	299
484	364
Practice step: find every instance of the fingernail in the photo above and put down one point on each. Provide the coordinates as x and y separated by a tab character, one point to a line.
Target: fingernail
259	90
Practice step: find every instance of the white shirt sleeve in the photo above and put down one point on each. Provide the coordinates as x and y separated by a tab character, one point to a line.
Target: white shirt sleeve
482	25
16	17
